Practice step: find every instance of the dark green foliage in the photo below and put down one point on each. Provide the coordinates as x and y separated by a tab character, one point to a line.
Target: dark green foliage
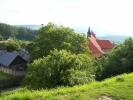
118	62
1	37
25	33
12	46
9	31
59	68
59	37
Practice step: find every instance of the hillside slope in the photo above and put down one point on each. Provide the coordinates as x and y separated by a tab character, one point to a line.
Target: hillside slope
117	88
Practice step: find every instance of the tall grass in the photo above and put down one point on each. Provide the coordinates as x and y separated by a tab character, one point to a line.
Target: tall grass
119	87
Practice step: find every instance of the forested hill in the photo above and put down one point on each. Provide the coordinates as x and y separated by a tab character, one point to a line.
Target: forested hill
10	31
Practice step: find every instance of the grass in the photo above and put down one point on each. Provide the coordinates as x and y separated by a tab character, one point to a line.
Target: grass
3	76
119	87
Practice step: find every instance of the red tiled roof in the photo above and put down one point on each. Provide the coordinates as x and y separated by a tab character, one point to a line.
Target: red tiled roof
97	46
94	46
105	44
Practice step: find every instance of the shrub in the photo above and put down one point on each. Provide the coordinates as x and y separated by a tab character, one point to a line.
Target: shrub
59	68
12	46
9	45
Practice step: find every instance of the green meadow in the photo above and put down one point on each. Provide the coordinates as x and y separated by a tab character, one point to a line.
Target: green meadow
116	88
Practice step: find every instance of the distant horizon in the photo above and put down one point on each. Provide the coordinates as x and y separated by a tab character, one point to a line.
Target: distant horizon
84	30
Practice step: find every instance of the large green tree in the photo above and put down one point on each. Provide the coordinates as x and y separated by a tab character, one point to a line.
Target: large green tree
52	36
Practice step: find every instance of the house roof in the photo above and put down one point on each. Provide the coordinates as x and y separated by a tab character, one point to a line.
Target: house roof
6	58
105	44
24	54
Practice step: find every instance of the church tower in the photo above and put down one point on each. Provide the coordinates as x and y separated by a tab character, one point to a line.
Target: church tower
90	33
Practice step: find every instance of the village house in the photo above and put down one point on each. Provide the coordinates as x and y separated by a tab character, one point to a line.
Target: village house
98	47
13	62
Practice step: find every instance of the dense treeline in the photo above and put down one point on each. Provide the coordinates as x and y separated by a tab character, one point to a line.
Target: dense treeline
9	31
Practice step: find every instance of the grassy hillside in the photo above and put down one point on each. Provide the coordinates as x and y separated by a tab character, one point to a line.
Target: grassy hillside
117	88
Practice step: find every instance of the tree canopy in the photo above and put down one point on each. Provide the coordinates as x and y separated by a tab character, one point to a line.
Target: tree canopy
52	37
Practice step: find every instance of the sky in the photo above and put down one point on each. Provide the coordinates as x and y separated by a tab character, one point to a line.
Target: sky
105	17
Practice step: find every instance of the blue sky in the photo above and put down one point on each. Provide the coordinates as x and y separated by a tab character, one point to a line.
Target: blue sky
106	17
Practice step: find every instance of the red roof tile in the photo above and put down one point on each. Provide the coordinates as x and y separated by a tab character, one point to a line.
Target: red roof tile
105	44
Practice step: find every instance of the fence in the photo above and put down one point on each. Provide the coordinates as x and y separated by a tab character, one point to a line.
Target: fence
12	72
11	82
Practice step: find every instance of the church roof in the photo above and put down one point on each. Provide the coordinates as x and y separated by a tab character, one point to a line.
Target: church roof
94	46
105	44
97	46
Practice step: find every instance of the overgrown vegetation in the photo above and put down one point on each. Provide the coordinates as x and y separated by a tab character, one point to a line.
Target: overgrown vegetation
60	68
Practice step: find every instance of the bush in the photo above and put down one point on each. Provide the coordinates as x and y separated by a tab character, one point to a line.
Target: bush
12	46
59	68
9	45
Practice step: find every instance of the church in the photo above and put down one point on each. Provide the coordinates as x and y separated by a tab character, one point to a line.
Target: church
98	47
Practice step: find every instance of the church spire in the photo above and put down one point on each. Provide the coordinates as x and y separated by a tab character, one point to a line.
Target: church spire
89	32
